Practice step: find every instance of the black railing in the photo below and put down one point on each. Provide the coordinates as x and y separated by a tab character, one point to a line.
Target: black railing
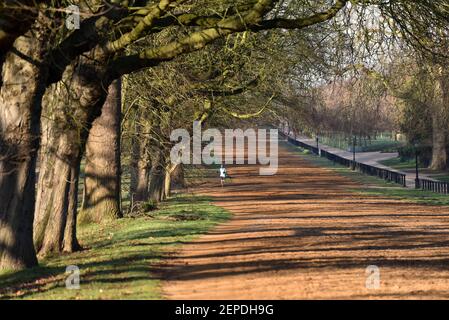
388	175
434	186
303	145
337	159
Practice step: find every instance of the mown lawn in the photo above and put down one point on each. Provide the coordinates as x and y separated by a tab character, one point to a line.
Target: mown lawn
373	185
119	257
399	164
410	166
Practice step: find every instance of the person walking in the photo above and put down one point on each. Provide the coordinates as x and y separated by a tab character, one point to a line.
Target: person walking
223	174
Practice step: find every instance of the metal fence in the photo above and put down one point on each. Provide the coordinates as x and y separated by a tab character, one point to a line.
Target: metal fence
388	175
434	186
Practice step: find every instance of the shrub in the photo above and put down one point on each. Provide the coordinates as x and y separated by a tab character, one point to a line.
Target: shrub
149	205
408	153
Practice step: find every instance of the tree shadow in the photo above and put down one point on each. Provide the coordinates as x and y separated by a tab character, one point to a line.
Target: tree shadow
124	259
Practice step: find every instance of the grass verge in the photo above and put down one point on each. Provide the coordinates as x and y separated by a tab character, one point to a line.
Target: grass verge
372	185
399	164
410	166
118	256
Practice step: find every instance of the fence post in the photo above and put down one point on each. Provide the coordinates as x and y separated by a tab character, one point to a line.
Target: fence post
397	177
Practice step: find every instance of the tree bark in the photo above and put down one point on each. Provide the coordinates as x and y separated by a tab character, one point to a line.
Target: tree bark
23	84
178	177
56	208
174	174
140	167
135	152
156	192
70	242
167	181
439	153
143	178
439	122
157	179
76	102
103	168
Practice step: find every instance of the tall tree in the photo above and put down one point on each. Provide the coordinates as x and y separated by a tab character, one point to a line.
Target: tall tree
22	87
74	108
440	119
101	201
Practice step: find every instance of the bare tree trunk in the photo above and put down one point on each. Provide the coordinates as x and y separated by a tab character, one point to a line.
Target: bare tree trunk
76	103
439	122
22	88
103	169
178	178
47	159
439	155
143	178
173	174
167	181
135	153
157	185
55	207
141	168
157	179
70	243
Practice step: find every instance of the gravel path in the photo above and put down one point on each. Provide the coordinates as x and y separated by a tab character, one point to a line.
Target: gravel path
302	235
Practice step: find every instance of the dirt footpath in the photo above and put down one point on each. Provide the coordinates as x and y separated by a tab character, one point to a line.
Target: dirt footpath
302	235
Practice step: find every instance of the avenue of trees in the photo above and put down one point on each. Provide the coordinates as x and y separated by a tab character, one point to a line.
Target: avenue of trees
113	90
408	96
385	82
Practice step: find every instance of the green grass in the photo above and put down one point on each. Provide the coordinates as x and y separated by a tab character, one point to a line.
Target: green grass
375	186
381	145
442	177
410	165
400	164
118	259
